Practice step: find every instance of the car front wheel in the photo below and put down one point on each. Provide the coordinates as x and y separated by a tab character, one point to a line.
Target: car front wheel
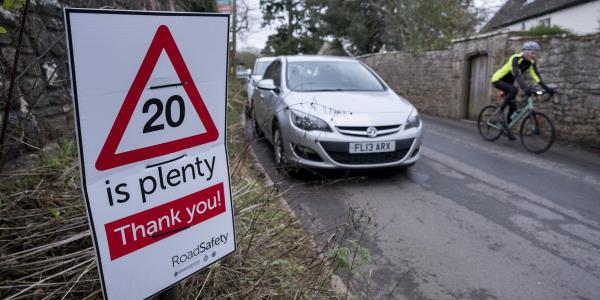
255	126
278	151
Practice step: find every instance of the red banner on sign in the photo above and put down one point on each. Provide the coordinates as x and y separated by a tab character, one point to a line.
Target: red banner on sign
137	231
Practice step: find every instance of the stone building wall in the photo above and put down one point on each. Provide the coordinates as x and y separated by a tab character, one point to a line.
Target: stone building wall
419	77
42	106
437	82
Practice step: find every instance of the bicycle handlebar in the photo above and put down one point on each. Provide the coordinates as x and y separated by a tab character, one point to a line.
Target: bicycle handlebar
539	93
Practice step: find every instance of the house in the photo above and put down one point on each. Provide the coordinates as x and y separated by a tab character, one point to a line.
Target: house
579	16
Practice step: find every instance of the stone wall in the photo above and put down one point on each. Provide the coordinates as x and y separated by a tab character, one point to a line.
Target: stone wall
418	77
437	82
42	106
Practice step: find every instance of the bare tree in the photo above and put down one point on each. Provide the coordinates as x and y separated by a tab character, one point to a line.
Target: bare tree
486	9
244	17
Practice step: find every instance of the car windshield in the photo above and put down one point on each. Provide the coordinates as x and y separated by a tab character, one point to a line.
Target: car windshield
331	76
261	66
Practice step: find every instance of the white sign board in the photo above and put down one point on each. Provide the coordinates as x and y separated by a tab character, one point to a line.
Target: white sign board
150	97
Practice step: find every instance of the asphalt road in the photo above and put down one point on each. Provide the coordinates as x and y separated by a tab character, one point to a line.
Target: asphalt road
471	220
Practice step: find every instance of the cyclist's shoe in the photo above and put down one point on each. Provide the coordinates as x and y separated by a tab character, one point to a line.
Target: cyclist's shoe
511	137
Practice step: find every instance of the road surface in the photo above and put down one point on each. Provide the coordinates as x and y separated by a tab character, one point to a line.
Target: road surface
471	220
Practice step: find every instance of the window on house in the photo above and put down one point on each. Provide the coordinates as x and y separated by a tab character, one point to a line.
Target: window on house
523	26
545	22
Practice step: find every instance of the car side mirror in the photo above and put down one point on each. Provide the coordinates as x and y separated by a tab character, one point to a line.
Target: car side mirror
249	72
266	84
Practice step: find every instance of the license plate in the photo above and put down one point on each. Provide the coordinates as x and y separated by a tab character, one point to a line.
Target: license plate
373	147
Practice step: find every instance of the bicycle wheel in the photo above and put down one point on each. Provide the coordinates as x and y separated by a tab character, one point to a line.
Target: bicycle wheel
488	123
537	132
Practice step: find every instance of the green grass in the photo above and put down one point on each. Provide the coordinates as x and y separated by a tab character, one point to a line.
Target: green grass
64	156
546	30
351	258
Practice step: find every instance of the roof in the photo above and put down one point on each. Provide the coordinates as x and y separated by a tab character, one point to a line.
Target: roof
515	11
266	59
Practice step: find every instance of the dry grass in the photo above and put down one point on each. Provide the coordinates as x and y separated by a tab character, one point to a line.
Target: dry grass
46	251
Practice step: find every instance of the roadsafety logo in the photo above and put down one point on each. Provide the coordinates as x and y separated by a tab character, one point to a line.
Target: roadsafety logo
372	132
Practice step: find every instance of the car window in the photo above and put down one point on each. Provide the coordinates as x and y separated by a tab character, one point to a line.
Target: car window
331	76
261	66
273	71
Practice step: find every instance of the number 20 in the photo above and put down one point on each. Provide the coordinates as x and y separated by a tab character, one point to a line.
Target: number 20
150	126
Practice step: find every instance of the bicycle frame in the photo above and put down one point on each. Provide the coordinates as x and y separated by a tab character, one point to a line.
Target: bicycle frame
524	111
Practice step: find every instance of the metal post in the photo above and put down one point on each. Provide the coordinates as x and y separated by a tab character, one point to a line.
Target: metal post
232	63
169	294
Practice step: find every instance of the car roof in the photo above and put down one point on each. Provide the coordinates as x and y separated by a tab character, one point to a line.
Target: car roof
301	58
266	58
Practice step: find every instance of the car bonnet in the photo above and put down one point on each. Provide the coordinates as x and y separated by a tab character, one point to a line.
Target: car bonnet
353	108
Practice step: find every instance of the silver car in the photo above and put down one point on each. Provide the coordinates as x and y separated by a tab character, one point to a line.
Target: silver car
333	112
260	65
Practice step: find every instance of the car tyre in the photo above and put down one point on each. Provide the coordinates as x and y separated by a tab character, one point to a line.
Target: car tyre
255	127
247	109
281	162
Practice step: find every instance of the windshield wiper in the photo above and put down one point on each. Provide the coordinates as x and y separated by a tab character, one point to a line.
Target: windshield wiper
327	90
302	84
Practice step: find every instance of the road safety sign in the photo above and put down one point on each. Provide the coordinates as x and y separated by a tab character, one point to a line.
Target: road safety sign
149	90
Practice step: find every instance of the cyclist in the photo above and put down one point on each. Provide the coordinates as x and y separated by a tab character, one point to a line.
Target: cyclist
505	77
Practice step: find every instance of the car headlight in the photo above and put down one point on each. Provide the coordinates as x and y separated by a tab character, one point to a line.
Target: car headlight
308	122
413	120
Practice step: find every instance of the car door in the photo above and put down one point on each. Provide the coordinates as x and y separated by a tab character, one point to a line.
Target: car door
263	100
251	82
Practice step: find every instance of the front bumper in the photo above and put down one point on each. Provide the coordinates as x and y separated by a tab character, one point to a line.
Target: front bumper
330	150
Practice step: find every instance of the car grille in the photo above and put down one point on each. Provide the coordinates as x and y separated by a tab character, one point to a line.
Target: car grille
362	130
338	151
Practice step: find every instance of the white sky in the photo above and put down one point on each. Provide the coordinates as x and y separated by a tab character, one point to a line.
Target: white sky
257	36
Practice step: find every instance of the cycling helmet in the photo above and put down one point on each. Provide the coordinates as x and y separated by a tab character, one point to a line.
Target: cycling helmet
531	46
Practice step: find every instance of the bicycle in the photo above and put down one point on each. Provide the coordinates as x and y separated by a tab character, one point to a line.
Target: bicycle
537	131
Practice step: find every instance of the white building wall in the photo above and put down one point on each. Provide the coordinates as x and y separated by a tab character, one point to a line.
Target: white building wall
581	19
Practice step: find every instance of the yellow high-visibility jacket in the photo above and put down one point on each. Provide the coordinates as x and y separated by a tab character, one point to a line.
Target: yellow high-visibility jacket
514	68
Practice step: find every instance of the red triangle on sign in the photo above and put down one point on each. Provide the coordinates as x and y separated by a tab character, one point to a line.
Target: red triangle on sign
108	157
